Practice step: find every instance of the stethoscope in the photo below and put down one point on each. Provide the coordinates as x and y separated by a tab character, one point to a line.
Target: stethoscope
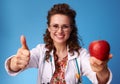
78	74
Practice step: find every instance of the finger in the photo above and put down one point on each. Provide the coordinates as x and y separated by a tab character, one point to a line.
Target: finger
22	63
96	61
23	53
22	57
26	53
23	42
21	66
110	56
25	58
92	62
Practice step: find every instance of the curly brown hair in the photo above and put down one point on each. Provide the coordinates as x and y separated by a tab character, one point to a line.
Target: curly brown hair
73	42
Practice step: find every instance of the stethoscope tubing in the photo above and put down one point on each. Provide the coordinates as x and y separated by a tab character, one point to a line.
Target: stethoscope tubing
78	70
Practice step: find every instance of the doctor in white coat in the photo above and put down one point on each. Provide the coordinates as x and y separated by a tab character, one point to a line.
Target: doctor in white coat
61	60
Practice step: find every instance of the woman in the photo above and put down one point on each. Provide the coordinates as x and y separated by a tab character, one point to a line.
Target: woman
61	60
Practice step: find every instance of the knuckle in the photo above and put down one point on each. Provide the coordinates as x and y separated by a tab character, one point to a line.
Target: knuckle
23	64
19	50
26	52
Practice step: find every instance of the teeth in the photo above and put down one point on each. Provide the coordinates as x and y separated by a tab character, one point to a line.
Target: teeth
60	36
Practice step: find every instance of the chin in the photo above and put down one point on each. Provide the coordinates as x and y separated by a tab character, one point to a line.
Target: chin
60	41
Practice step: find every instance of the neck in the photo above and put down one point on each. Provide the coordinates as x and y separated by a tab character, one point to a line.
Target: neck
61	47
61	51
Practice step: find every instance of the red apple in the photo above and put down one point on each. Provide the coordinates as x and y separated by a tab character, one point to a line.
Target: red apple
99	49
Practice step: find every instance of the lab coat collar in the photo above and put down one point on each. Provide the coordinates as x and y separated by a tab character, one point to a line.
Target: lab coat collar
70	56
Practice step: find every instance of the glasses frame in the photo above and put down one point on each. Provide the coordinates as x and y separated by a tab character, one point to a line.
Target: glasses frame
64	27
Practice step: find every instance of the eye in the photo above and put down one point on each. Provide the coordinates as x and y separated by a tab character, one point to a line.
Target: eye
65	26
55	26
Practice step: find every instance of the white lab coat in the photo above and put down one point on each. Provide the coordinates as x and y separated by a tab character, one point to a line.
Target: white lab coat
46	69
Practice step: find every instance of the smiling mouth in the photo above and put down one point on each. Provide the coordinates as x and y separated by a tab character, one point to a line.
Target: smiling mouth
60	36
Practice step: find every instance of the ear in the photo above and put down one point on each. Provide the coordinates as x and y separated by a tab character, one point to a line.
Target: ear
48	29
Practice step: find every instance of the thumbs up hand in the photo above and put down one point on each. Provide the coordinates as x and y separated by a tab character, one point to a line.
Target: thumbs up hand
21	59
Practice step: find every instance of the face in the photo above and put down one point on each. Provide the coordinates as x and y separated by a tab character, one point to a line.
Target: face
60	28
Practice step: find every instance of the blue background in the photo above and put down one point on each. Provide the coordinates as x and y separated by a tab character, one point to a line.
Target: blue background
96	19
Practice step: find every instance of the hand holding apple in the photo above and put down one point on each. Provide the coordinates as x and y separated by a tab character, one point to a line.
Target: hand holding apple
100	55
100	49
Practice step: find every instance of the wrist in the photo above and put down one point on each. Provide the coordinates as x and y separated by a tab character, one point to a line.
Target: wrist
103	75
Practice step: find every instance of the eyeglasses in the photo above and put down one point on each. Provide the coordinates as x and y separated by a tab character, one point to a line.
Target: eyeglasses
64	27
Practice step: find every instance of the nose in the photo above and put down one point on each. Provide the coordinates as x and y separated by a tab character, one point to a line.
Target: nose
60	29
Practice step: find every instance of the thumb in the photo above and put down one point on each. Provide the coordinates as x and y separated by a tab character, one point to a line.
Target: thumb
23	42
